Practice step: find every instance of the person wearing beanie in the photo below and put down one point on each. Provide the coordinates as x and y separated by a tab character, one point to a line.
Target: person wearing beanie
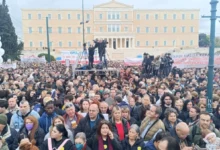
9	135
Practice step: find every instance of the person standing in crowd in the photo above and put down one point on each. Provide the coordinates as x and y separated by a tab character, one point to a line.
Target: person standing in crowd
12	105
80	142
119	124
45	120
168	143
58	139
196	130
103	106
32	131
17	119
184	115
216	117
3	110
104	138
126	115
194	116
89	124
133	141
84	106
152	124
91	51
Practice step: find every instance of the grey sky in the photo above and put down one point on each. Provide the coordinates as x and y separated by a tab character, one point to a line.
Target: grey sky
204	6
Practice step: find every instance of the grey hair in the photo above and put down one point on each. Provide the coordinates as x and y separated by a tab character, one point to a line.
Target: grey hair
168	111
136	128
81	135
24	101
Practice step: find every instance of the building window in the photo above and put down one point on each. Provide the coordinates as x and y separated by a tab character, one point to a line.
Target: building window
118	28
109	16
126	29
30	30
164	43
165	29
41	44
88	29
101	29
156	43
69	30
174	42
39	17
138	16
100	16
113	16
156	29
191	29
174	29
50	44
113	28
118	16
78	30
147	43
40	29
78	16
109	28
165	17
183	29
126	16
59	30
138	43
69	16
138	29
192	16
191	43
50	29
29	16
49	16
70	44
147	16
183	16
60	44
59	17
147	29
88	17
156	16
31	44
174	16
79	44
183	42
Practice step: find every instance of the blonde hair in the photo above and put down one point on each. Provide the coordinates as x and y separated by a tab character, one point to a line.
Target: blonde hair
126	110
114	109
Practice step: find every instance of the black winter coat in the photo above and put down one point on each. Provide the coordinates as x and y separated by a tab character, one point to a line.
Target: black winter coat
56	144
168	128
132	121
138	144
39	135
216	120
125	127
94	143
84	126
12	141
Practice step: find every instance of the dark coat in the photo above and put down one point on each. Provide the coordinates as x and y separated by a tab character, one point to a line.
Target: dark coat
125	126
139	113
132	121
94	143
67	146
138	143
167	125
216	120
12	141
39	135
84	126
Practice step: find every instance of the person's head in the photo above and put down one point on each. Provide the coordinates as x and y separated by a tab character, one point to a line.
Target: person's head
179	104
168	143
202	100
103	128
134	132
31	125
167	100
146	100
159	137
3	106
131	101
116	113
93	111
70	109
24	107
58	132
155	112
112	93
194	112
49	107
125	112
161	90
12	103
208	136
80	140
118	99
68	98
204	120
202	107
171	115
103	106
182	130
84	106
3	122
57	120
187	105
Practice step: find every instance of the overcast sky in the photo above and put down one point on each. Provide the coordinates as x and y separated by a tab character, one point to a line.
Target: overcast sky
15	7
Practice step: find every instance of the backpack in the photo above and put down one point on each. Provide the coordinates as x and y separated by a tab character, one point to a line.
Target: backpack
59	148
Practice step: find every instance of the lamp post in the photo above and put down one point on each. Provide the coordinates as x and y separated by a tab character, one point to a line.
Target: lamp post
83	23
213	18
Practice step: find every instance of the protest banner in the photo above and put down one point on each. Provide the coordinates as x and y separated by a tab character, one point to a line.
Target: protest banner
32	58
8	65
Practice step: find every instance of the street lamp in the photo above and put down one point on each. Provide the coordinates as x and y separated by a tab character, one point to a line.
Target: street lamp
83	23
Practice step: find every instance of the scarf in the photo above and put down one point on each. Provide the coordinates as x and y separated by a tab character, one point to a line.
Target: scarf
101	145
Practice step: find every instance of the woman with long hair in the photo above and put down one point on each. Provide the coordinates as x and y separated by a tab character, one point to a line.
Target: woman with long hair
126	115
59	139
59	120
104	138
32	131
119	124
84	106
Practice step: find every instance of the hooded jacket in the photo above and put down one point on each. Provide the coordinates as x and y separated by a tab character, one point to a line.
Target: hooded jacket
45	121
11	137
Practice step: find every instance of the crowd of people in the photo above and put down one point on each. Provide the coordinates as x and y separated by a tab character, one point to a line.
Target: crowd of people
42	107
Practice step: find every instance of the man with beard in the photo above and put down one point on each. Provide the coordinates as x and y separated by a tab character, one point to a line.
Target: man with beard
203	124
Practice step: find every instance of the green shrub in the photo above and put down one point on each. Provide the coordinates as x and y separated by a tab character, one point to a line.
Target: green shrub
52	58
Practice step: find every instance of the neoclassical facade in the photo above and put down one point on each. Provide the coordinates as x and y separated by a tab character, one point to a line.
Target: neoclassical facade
120	24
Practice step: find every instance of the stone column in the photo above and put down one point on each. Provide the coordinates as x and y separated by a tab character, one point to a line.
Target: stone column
125	40
133	45
121	43
112	43
129	42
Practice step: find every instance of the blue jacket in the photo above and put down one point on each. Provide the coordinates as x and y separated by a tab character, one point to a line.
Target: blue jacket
150	145
17	120
45	121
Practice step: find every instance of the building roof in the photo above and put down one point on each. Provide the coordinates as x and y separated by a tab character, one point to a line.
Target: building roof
113	4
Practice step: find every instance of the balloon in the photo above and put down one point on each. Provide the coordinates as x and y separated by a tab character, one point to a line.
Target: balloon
2	52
